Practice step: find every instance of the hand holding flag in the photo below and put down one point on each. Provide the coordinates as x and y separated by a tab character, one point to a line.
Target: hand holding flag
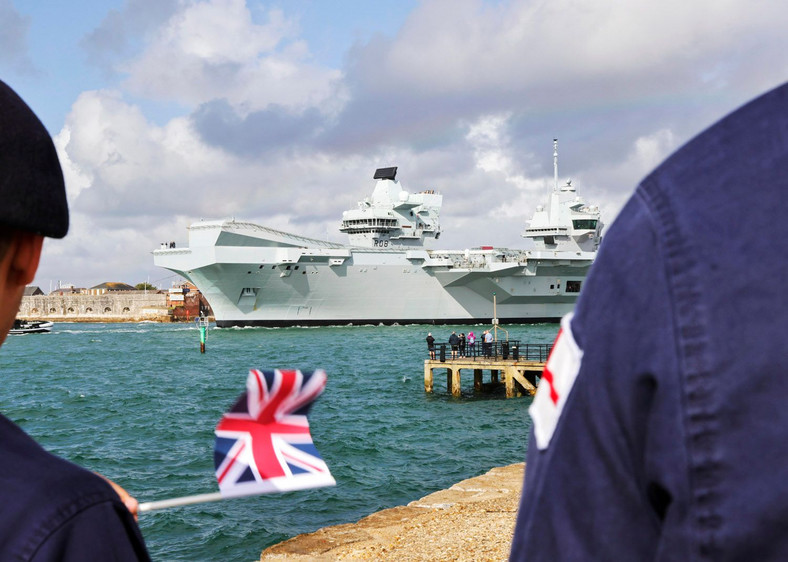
263	443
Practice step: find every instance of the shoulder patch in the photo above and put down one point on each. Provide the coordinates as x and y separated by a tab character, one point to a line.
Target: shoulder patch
556	383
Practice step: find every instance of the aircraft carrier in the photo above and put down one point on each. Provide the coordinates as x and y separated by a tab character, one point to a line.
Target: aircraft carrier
257	276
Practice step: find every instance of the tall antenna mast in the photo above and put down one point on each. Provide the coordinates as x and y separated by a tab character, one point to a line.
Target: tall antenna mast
555	164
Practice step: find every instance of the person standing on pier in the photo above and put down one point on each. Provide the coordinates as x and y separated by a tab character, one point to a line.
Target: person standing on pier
660	427
431	345
488	341
462	344
50	509
471	343
454	342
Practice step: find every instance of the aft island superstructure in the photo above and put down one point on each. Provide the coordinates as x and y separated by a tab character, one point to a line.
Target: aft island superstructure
257	276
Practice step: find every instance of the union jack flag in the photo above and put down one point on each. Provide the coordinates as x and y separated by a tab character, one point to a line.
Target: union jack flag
263	443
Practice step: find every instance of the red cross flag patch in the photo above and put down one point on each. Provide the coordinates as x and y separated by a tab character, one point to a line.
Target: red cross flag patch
558	376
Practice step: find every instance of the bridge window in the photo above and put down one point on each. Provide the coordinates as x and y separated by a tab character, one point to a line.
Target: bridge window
573	286
584	224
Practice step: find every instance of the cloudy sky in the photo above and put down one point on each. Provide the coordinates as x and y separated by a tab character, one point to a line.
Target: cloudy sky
168	111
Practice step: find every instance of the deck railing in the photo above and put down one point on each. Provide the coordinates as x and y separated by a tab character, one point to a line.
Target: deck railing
506	349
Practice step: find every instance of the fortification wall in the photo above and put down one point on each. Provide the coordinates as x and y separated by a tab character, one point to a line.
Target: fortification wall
122	306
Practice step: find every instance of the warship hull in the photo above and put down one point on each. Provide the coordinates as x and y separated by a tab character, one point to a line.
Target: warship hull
253	276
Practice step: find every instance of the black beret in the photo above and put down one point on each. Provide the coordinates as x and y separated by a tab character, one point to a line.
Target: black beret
32	191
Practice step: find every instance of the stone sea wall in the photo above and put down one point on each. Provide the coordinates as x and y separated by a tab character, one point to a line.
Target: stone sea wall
122	306
473	521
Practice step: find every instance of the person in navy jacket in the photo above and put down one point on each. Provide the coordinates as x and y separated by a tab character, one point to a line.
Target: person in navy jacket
50	509
660	426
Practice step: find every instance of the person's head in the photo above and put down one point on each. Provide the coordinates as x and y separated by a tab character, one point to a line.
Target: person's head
32	200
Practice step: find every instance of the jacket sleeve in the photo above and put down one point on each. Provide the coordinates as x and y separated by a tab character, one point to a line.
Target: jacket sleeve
600	489
103	531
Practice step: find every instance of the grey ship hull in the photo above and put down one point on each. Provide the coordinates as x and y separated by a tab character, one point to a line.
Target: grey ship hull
255	276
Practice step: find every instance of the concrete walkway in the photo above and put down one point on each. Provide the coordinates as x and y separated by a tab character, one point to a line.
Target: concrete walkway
473	520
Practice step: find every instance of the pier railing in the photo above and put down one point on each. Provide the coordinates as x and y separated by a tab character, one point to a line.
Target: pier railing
507	349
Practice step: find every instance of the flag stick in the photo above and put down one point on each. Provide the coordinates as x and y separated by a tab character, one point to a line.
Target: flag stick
177	502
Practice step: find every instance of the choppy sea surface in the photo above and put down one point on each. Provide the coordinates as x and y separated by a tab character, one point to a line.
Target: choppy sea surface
139	403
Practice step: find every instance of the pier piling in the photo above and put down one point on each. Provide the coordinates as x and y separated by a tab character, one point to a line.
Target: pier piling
518	377
513	366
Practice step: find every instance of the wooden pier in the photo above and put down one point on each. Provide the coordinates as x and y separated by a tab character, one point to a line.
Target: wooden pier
517	373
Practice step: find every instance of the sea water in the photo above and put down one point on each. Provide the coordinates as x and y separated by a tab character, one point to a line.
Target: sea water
139	403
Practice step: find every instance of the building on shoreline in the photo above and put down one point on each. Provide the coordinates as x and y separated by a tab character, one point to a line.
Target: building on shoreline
187	302
99	304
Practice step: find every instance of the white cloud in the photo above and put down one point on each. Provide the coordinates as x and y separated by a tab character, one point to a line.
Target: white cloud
451	45
76	179
465	98
116	162
214	50
510	206
486	137
650	150
14	28
491	144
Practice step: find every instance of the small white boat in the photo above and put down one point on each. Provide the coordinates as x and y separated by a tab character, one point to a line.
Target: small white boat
30	327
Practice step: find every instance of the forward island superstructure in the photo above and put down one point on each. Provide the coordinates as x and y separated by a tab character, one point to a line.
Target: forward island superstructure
257	276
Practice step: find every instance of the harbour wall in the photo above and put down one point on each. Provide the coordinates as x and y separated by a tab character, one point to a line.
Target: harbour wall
121	306
473	520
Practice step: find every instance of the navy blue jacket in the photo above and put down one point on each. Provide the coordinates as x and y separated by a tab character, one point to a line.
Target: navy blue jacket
51	509
673	441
